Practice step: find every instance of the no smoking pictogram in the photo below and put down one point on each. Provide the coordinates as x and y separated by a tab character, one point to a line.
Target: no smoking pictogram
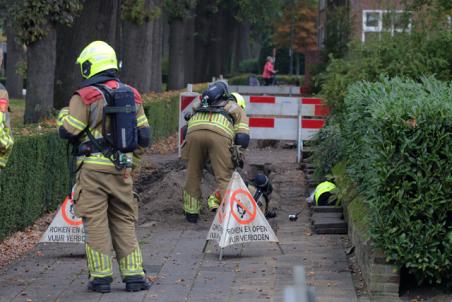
222	208
67	210
243	206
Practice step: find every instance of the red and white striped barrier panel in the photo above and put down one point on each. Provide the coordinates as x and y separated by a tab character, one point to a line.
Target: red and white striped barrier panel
185	102
284	106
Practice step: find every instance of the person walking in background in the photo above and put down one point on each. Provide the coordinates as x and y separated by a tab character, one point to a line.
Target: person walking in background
105	122
269	72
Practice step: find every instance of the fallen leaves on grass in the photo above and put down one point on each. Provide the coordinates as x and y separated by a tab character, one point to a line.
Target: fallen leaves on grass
20	243
164	146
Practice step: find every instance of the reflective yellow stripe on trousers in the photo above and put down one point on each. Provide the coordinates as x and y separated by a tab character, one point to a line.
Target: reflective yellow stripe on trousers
99	265
132	264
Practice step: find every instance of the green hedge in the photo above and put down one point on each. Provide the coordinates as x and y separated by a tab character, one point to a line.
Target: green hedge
34	181
397	141
163	116
280	78
36	178
410	55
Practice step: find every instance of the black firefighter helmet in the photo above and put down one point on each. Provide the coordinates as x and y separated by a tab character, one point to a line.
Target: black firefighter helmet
216	92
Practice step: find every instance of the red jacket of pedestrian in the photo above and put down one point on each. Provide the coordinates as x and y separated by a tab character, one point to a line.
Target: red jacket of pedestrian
268	70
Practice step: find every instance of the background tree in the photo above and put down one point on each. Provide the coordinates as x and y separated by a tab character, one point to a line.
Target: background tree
177	12
141	44
34	22
98	20
299	33
14	64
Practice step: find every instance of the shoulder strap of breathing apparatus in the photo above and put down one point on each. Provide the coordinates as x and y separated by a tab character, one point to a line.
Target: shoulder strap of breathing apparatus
216	107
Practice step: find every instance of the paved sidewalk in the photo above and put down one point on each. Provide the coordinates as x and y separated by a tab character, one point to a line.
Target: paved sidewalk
172	251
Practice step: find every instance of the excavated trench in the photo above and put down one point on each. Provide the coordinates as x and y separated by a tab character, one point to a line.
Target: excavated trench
160	184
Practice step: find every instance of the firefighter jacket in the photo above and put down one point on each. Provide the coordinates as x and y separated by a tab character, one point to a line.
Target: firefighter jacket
6	138
86	109
231	121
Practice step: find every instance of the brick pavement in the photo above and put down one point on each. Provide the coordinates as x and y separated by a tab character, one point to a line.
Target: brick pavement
172	251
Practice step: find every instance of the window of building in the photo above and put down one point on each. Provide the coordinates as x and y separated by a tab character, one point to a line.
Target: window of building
376	22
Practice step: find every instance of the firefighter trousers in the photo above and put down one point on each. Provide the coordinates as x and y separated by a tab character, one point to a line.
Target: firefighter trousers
202	145
105	203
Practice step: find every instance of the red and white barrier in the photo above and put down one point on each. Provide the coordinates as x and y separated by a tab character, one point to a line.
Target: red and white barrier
274	117
185	102
284	106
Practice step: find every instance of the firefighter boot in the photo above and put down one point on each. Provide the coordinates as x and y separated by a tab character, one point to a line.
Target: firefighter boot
100	285
213	202
136	283
193	218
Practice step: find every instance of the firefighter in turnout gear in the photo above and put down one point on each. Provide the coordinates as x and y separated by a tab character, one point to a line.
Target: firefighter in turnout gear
216	125
214	199
6	138
105	122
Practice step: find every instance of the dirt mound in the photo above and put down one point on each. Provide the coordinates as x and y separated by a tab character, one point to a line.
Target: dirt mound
161	191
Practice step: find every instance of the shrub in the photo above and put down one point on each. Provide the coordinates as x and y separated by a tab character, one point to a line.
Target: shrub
414	55
34	181
249	66
326	152
398	145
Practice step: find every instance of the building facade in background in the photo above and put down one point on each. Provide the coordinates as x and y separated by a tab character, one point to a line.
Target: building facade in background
369	19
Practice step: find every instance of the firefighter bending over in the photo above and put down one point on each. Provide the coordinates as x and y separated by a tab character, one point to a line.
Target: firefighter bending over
218	124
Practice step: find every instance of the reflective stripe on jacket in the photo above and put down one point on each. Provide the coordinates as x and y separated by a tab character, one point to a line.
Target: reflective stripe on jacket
219	123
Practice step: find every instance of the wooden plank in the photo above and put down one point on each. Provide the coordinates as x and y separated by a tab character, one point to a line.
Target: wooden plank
327	215
331	231
327	209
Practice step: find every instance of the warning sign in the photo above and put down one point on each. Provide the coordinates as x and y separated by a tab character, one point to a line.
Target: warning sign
66	227
239	219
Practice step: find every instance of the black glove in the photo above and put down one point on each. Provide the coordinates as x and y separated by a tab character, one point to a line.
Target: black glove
238	156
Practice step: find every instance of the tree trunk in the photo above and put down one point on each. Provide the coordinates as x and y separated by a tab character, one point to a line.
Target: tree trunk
176	55
215	51
202	42
15	55
242	43
157	41
137	58
189	50
297	63
96	22
40	77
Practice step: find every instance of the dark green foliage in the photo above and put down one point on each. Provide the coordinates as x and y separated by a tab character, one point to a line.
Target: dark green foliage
31	18
34	181
327	150
138	11
413	56
337	30
249	66
398	145
163	116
